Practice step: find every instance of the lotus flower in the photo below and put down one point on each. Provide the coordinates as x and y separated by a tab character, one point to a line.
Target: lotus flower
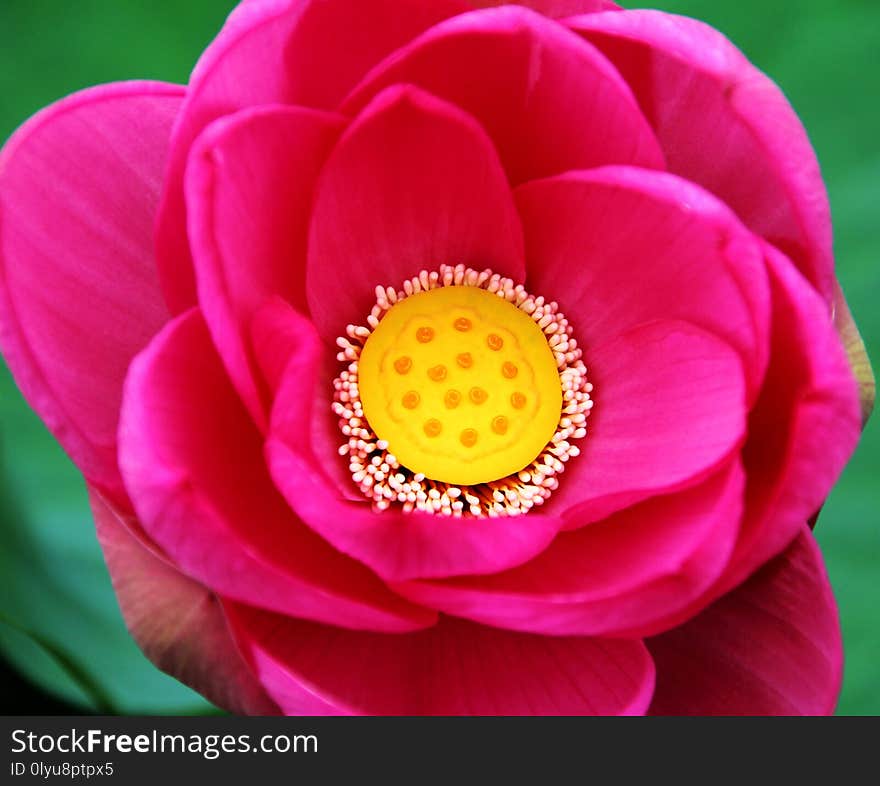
446	357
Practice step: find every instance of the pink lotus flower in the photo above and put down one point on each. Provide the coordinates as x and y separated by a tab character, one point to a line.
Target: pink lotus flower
336	412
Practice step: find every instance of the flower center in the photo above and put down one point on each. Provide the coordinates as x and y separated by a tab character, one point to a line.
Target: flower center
461	396
461	384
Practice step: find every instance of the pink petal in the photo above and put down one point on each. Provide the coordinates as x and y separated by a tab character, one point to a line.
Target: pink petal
726	126
192	461
178	623
400	546
413	183
308	52
249	184
553	8
771	647
620	575
454	668
277	332
79	185
801	432
670	408
804	426
549	101
397	545
590	235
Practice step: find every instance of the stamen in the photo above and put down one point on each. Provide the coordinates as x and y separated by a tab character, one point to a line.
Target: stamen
377	471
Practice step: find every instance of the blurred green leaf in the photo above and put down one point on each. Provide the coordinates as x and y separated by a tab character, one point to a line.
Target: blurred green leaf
69	667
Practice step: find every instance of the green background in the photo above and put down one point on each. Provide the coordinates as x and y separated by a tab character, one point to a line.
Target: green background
59	623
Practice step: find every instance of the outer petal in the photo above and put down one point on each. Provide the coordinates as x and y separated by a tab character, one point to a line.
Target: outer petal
804	426
553	8
79	296
413	183
398	546
455	668
590	235
616	576
250	183
802	429
308	52
192	462
771	647
726	126
277	332
670	408
178	624
549	101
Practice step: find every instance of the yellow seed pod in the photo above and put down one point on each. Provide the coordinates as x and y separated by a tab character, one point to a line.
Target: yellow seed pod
453	339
